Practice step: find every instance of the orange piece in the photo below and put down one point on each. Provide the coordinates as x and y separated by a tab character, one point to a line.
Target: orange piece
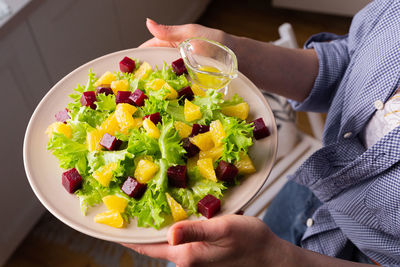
178	213
206	169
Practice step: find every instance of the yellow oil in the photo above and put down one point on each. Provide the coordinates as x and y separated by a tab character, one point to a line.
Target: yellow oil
210	81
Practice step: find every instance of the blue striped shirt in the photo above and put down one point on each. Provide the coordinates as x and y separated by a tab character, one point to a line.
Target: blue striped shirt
359	187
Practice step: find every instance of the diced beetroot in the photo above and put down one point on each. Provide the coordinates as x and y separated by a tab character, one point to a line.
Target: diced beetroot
208	206
110	142
226	171
191	149
62	116
155	118
133	188
127	65
104	90
260	130
186	93
71	180
123	97
179	66
138	97
177	176
88	98
198	129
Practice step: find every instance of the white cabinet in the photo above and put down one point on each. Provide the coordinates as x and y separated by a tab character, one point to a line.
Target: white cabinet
23	82
70	33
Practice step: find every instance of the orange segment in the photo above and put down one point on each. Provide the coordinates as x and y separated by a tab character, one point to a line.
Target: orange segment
191	111
93	140
105	174
151	129
206	169
145	171
178	213
121	85
115	203
110	218
217	132
214	153
203	141
183	129
245	165
106	79
59	127
240	111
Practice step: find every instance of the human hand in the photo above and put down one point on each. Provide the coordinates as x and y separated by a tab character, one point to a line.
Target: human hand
231	240
172	36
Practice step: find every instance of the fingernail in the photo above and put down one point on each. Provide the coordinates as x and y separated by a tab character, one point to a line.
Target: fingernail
151	21
176	237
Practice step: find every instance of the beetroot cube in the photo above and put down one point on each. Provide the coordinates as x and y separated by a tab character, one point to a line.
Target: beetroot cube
62	116
133	188
199	128
110	142
127	65
88	98
186	93
177	176
208	206
191	149
226	171
138	97
260	130
155	118
71	180
179	67
123	97
104	90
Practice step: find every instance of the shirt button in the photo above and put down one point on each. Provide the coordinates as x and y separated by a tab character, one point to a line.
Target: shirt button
348	135
378	104
309	222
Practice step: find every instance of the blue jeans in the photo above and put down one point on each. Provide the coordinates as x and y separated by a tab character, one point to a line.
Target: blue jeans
289	211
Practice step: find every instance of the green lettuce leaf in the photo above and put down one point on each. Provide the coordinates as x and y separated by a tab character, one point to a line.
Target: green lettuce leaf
238	137
236	99
151	209
97	159
69	153
197	188
91	193
168	75
105	103
141	144
170	143
210	106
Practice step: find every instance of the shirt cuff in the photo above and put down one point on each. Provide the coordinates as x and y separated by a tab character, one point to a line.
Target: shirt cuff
333	59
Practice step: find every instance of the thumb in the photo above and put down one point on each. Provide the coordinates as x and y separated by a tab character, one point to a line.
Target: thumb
167	32
194	231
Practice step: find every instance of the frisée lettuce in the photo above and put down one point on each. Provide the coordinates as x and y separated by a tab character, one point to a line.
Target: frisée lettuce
113	142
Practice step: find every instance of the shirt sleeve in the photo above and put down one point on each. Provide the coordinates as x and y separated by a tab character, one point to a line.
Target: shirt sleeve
333	59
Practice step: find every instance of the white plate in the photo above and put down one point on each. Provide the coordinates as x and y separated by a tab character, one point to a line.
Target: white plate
44	173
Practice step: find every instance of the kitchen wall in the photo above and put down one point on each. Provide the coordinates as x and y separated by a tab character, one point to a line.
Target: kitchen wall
40	42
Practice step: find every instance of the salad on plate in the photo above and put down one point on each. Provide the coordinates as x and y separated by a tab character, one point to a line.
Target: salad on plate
151	145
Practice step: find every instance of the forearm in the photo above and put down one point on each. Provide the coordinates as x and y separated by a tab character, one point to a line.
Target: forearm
284	71
295	256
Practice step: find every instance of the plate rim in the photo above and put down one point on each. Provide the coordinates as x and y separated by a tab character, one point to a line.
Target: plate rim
83	228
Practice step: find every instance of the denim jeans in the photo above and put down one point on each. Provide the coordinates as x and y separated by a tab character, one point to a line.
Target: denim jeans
289	210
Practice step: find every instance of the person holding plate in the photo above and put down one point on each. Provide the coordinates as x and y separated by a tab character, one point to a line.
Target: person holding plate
342	206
